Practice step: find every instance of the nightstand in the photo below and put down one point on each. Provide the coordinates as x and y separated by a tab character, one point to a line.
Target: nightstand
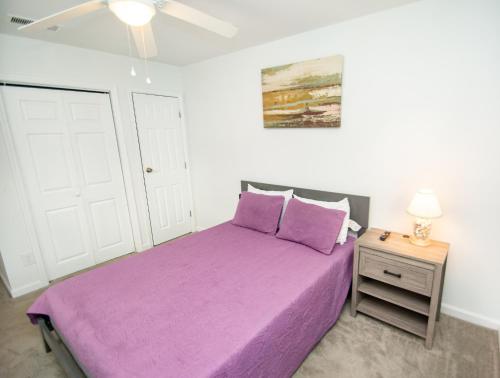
398	282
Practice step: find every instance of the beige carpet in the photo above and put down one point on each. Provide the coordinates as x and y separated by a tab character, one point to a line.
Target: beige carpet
354	347
365	347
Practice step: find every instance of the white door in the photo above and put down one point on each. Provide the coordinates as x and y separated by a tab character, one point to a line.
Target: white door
163	158
66	145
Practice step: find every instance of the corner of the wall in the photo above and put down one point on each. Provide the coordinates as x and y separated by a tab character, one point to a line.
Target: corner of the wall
498	339
5	282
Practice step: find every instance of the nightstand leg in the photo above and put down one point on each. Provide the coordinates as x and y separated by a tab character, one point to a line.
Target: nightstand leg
428	342
355	282
429	338
434	306
353	301
441	290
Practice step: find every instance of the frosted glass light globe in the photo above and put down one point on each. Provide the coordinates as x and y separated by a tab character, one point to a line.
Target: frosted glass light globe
133	12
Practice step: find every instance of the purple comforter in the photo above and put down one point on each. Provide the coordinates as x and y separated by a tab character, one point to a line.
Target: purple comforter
225	302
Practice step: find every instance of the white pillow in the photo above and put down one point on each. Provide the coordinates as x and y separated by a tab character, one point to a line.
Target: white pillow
341	205
354	228
288	194
352	234
353	225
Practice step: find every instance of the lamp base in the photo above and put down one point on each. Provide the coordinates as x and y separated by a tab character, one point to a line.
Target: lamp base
421	232
420	242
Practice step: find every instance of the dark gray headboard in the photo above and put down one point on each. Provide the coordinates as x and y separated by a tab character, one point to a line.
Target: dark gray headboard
360	205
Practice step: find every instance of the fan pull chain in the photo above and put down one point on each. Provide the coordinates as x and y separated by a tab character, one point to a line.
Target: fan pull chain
132	69
148	80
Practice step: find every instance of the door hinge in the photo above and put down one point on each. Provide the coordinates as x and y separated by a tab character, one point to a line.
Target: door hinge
185	165
190	214
180	115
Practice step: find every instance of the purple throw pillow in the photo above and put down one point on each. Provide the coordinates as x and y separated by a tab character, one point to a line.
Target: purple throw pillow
311	225
259	212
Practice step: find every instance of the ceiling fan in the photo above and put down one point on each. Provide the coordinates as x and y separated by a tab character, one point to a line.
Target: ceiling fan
137	14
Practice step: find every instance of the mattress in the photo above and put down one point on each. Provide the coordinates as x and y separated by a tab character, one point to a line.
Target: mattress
224	302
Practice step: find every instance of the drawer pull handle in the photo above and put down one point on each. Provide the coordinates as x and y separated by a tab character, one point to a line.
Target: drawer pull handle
398	275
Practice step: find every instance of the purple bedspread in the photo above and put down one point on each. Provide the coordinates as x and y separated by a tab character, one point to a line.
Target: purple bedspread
225	302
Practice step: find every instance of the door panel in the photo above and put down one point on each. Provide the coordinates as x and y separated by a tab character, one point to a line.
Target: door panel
106	219
66	232
178	200
93	136
42	142
162	149
38	110
66	145
84	112
163	210
94	158
50	161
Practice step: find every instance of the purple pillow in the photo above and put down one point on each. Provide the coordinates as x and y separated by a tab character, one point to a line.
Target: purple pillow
311	225
259	212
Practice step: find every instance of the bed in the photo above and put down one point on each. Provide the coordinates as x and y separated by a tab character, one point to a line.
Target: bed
224	302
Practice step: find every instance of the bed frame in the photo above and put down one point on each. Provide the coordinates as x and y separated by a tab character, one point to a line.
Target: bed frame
53	341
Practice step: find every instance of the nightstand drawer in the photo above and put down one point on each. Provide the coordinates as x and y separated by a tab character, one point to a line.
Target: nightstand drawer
397	271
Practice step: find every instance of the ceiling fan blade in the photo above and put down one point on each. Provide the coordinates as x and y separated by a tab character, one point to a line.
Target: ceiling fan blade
65	15
144	40
198	18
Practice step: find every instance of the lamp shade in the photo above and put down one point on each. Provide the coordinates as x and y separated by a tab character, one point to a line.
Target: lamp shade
425	205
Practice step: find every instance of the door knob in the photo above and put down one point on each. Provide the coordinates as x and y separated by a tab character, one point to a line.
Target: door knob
149	170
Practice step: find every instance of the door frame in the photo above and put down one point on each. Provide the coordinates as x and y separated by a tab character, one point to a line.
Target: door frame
27	212
184	137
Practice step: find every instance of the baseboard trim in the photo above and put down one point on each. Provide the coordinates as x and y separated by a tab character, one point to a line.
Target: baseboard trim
470	317
145	247
200	228
26	289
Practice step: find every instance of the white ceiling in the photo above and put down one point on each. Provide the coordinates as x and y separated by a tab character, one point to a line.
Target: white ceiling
179	43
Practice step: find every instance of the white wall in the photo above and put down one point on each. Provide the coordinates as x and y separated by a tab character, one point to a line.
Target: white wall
421	108
33	61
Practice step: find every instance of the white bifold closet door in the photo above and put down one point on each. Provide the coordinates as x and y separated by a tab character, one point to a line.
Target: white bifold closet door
161	141
66	145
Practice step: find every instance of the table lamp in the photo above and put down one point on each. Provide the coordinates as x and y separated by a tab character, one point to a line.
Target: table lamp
424	206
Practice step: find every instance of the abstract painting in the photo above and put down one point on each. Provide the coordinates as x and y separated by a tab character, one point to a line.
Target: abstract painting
305	94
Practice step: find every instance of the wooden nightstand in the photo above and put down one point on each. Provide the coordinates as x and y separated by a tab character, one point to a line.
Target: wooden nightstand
398	282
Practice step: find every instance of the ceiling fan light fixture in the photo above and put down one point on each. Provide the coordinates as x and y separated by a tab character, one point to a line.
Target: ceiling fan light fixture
133	12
